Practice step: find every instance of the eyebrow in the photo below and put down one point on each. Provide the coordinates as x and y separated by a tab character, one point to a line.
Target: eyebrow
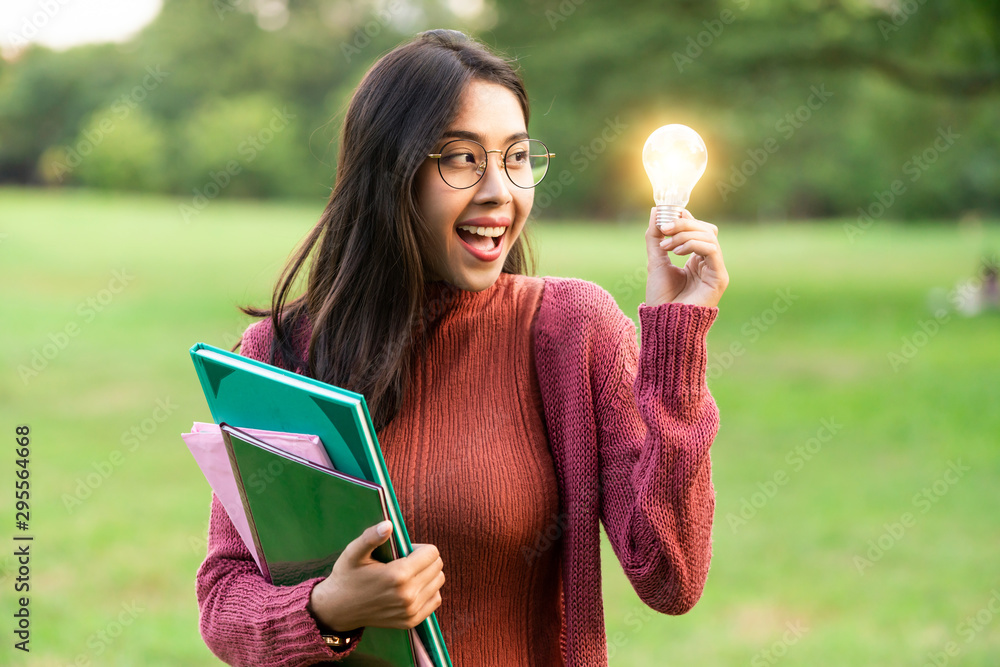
475	136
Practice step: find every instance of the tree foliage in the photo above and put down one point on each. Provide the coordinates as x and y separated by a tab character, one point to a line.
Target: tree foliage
809	107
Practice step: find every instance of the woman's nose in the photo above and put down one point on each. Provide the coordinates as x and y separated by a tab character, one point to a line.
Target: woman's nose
493	186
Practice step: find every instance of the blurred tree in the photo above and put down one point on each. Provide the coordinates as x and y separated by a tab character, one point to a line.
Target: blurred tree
743	72
248	146
45	96
809	107
118	149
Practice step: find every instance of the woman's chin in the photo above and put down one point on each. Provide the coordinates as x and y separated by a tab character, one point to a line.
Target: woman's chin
477	281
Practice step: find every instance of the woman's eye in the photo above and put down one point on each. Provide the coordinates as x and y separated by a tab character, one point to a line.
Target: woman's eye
459	159
519	158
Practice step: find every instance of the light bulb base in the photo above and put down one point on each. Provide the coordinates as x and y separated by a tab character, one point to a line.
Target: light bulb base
667	213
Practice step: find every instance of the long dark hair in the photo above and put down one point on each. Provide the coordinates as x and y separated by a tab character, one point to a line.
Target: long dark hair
365	295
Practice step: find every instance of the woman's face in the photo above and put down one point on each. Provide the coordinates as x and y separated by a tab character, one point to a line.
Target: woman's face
490	114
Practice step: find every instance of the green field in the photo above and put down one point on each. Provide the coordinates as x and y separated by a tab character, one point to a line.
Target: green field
117	288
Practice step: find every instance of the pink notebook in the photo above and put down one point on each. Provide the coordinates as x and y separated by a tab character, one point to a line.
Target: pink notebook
209	451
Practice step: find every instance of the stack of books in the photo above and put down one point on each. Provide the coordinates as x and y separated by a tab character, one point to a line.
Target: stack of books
298	468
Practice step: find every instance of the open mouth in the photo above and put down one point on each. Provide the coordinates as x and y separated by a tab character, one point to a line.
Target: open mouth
481	242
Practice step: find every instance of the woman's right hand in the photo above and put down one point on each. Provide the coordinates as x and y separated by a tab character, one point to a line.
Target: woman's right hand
362	591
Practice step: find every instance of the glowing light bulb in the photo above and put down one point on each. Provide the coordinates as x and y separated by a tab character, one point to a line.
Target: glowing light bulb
675	158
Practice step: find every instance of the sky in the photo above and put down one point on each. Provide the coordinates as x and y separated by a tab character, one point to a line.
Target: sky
62	24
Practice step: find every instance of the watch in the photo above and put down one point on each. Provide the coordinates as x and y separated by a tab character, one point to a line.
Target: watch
341	639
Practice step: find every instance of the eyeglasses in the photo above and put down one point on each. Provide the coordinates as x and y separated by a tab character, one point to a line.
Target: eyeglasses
462	162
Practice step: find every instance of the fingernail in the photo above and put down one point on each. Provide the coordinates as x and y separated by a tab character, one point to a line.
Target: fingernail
666	227
384	528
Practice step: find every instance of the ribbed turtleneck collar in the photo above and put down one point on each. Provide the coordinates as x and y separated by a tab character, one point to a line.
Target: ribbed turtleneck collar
441	297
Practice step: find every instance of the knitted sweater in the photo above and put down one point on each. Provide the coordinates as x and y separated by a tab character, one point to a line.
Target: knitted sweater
471	466
629	432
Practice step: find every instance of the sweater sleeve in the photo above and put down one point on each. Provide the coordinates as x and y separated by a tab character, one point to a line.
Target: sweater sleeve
656	421
633	426
244	619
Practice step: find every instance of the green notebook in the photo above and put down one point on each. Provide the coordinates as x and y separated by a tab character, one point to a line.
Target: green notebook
251	394
302	516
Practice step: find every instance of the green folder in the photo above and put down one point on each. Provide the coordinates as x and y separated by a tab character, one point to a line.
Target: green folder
247	393
302	516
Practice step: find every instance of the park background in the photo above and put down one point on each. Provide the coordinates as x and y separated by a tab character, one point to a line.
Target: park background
854	175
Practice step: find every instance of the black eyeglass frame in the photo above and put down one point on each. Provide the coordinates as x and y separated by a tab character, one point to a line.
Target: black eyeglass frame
485	165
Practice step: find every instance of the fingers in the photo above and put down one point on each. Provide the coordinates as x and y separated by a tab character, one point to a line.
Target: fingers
651	229
700	246
686	222
708	254
428	608
418	570
424	575
431	589
418	610
689	235
422	556
419	584
676	241
361	547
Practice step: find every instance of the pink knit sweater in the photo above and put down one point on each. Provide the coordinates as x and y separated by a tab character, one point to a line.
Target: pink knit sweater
629	432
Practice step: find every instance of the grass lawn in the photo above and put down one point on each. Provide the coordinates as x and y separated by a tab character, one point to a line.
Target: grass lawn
856	467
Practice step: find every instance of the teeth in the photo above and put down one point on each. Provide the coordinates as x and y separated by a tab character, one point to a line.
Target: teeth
484	231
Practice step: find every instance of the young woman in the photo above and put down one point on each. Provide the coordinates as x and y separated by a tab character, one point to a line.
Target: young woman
515	413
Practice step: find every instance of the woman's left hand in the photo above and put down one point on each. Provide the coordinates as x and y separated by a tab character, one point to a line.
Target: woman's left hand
702	279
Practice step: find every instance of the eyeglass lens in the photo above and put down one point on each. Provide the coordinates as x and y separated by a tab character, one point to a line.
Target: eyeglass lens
463	163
